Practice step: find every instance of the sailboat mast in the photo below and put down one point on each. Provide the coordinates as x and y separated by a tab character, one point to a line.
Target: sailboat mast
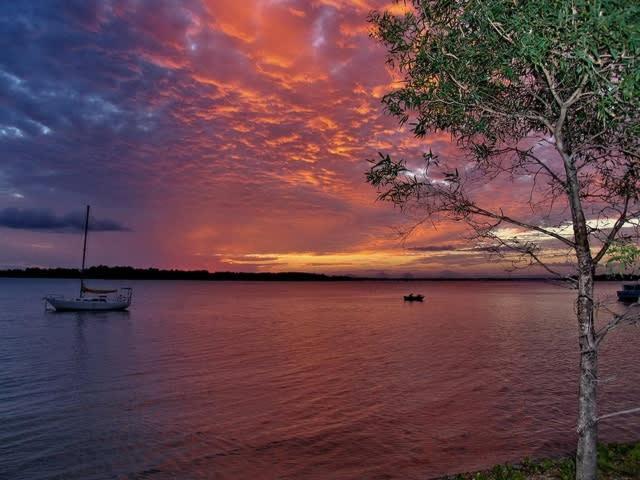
84	251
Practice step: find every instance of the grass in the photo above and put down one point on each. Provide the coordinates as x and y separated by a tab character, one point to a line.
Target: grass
615	462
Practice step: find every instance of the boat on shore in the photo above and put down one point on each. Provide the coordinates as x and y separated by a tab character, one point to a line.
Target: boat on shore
630	293
413	298
91	299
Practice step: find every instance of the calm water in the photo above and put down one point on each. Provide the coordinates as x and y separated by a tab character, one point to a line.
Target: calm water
296	380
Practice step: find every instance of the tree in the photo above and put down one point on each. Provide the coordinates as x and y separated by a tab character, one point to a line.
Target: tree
543	94
624	257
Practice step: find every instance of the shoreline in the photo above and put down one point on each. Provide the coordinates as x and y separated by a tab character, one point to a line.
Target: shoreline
130	273
616	461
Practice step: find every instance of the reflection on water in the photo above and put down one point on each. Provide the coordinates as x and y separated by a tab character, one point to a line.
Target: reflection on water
295	380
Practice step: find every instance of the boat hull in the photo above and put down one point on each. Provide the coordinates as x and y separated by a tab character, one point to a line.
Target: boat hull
413	298
81	305
628	296
630	293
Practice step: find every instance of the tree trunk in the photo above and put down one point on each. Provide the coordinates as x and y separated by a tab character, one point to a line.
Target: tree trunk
587	454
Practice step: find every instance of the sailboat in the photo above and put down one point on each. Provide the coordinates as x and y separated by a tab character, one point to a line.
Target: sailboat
91	299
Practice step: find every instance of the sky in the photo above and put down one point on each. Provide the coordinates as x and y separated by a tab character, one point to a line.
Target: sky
206	134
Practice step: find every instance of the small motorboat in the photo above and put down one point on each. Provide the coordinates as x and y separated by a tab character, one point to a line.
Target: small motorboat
630	293
413	298
90	299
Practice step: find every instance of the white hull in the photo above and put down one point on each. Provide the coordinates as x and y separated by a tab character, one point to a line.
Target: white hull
79	304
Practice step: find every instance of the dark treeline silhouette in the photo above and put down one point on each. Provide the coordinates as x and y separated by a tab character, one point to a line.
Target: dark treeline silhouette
621	277
131	273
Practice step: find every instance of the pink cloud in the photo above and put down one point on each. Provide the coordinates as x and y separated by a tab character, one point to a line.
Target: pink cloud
243	128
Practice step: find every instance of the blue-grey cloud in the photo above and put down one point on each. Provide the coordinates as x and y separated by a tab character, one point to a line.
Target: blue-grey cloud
44	219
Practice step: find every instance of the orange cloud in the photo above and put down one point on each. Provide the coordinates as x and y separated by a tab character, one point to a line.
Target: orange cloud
247	125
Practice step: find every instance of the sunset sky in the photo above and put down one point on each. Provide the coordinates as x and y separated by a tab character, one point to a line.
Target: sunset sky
205	134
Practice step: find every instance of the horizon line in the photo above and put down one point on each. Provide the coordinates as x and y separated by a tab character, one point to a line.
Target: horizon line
153	273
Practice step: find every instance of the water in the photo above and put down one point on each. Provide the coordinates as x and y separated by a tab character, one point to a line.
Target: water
297	380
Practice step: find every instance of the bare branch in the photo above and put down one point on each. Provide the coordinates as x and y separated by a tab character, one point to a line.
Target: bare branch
575	96
614	232
553	174
529	116
608	415
630	317
501	217
550	270
552	86
615	414
500	31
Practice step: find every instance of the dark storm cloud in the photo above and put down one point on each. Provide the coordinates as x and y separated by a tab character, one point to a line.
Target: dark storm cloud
43	219
77	102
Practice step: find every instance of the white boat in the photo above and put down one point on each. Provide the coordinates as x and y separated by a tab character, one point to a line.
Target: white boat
91	299
120	301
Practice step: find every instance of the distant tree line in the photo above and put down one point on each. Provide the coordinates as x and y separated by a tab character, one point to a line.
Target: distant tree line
130	273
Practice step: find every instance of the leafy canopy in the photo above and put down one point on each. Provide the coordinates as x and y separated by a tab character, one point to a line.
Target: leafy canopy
480	67
498	74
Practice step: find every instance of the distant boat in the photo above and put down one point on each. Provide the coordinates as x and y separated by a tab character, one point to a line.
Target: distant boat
91	299
630	293
413	298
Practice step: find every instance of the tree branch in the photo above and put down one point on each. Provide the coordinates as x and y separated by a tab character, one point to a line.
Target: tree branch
614	232
529	116
608	415
615	414
553	174
615	322
486	213
500	31
575	96
552	86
